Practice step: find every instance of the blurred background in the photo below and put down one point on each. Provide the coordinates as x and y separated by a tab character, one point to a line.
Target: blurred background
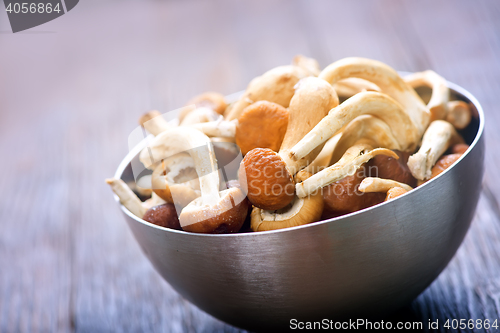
71	91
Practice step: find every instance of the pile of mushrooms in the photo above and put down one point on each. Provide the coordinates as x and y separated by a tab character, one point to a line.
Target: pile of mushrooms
301	144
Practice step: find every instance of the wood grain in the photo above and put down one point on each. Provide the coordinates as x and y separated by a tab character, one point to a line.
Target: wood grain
72	89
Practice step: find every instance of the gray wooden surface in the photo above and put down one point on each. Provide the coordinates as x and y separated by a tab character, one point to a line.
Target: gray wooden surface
72	89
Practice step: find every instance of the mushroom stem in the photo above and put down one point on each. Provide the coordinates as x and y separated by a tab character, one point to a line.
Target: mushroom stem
440	92
154	123
437	139
127	197
374	103
353	158
459	114
387	79
218	128
353	85
374	184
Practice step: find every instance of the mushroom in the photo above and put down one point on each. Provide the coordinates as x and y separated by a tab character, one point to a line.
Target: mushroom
154	122
386	167
437	139
387	79
127	197
218	128
214	211
343	196
459	114
212	100
440	92
261	125
364	126
175	180
459	148
353	158
394	193
322	160
380	185
199	115
444	163
351	86
155	200
373	103
163	215
276	85
298	212
267	175
309	64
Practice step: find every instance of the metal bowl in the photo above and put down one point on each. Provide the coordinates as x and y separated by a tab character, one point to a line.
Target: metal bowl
370	262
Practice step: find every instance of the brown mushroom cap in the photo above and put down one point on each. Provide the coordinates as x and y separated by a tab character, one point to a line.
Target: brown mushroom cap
388	167
394	193
210	100
459	148
444	163
343	196
261	125
163	215
227	216
265	176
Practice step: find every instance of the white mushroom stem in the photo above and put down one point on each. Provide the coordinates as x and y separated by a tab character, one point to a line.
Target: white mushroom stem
199	115
437	139
459	114
127	197
374	184
218	128
387	79
440	92
373	103
353	85
365	126
353	158
323	159
196	144
154	122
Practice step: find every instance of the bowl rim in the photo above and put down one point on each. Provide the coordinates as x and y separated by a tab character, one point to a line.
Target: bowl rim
138	148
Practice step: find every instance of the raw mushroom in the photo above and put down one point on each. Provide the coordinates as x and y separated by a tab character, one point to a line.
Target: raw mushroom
309	64
459	114
127	197
437	139
199	115
214	211
175	180
155	200
351	86
218	128
364	126
154	122
387	79
321	161
261	125
276	85
298	212
394	193
440	92
164	215
380	185
353	158
210	100
372	103
267	175
387	167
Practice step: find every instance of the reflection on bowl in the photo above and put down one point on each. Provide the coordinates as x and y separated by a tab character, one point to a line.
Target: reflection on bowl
369	262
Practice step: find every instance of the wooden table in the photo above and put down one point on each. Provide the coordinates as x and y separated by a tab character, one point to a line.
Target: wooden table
72	89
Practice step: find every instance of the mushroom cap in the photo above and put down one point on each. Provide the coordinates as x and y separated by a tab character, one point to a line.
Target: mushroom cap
276	85
227	216
459	114
212	100
388	167
444	163
266	178
343	196
309	64
261	125
199	115
459	148
163	215
300	211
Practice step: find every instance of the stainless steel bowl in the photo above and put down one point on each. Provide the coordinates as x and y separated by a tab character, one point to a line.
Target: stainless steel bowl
369	262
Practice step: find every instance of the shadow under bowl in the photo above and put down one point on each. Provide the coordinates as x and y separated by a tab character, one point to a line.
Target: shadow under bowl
370	262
